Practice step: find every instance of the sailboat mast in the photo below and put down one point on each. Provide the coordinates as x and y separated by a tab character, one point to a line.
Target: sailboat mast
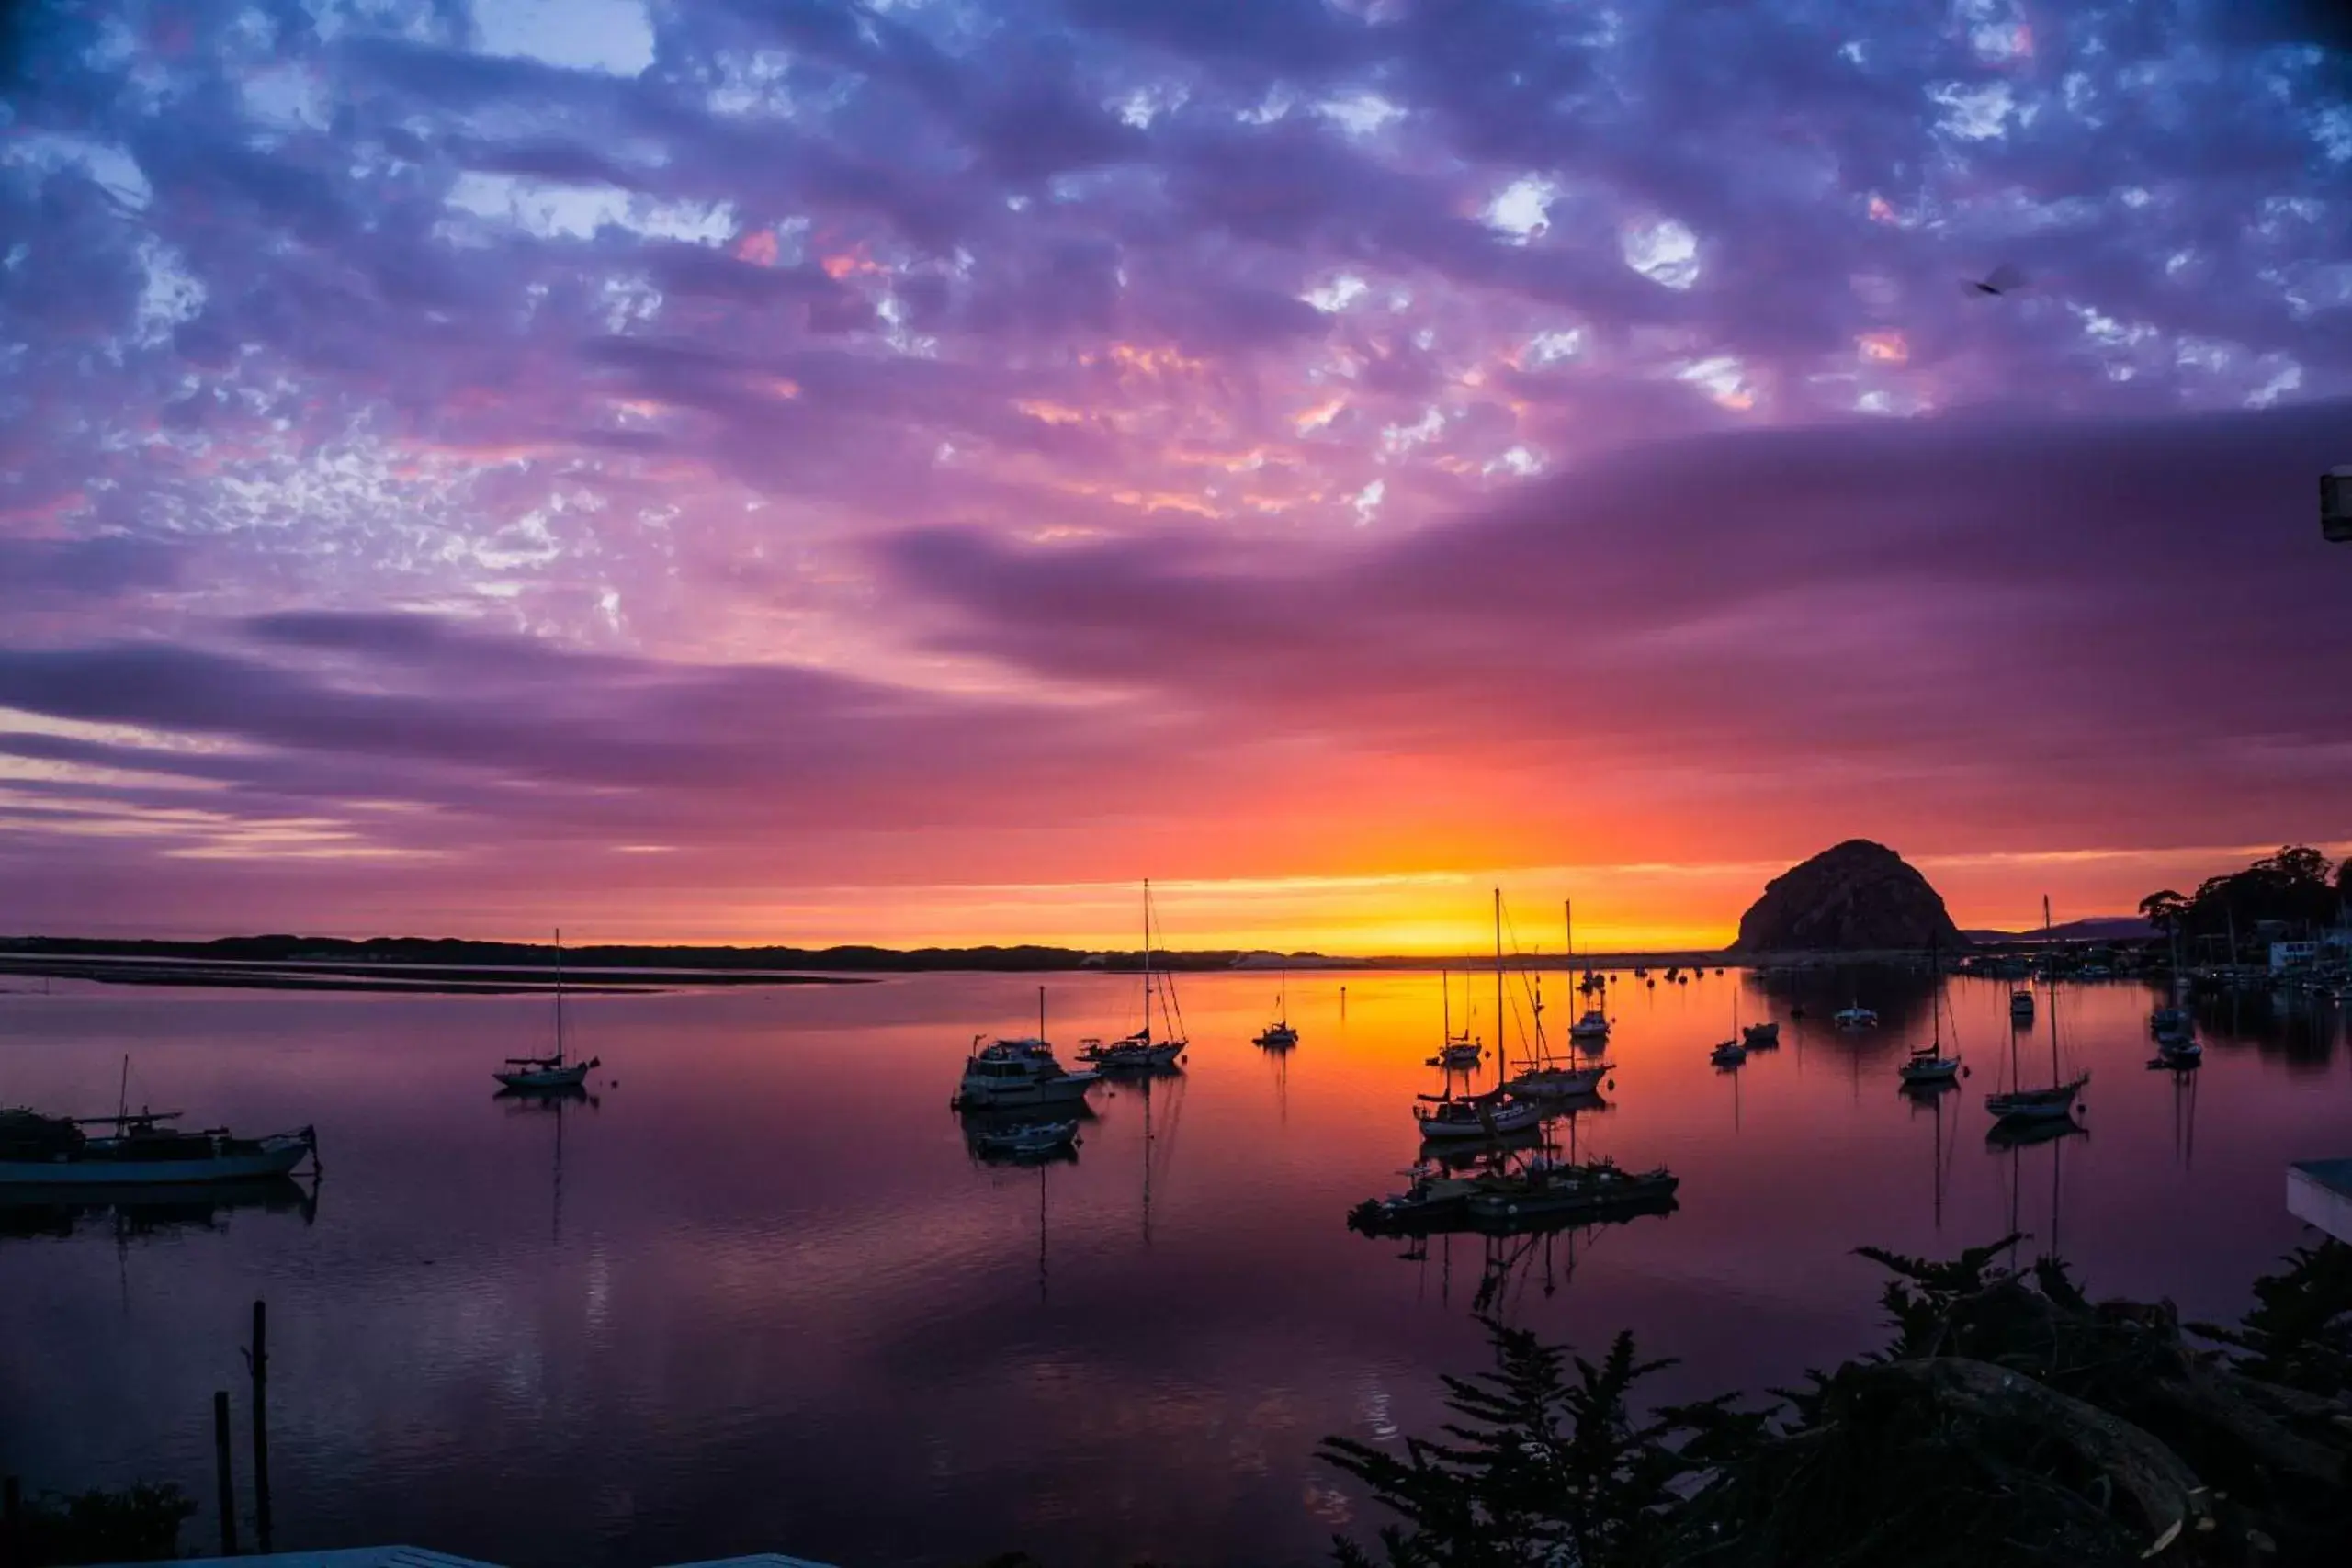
1147	960
1040	1013
2054	998
1501	1041
1445	985
558	994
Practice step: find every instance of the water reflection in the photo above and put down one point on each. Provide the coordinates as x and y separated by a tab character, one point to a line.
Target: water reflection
769	1296
141	1212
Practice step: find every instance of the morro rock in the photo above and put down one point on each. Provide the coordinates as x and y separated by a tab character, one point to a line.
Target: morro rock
1858	896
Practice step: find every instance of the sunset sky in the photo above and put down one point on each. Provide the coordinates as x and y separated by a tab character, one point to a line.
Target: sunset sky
804	471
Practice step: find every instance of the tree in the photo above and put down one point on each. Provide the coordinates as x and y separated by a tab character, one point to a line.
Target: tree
1539	1470
2164	910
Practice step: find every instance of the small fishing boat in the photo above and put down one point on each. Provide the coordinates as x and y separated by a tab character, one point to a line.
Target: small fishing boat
140	1150
1761	1036
1730	1054
1027	1139
528	1073
1855	1017
1495	1114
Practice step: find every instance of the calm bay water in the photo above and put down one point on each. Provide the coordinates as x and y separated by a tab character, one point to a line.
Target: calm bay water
757	1295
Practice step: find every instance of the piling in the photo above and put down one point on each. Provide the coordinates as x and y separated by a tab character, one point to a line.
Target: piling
228	1481
257	1360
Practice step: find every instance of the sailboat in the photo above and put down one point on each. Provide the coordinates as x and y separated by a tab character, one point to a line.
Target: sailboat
1141	1049
1545	1078
2175	1030
1592	1027
1460	1053
1928	1065
2057	1102
1280	1035
1497	1112
549	1072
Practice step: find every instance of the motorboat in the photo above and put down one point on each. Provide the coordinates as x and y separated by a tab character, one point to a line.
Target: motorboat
1761	1036
1855	1017
1005	1074
2022	1006
1730	1054
140	1149
1591	1029
1494	1115
1031	1140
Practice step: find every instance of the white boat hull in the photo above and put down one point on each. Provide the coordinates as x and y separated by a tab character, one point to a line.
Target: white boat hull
1067	1090
278	1157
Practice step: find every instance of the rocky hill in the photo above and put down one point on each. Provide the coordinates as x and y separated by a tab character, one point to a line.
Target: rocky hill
1858	896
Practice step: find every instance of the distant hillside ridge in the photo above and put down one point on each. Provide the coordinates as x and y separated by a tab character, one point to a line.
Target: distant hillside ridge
1857	897
2094	928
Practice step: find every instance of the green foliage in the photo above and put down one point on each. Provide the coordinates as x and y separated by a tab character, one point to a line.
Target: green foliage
137	1524
2300	1332
1539	1468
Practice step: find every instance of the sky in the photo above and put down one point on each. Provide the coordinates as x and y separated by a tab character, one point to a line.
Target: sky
795	470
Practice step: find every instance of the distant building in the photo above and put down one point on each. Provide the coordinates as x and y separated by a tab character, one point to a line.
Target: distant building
2286	955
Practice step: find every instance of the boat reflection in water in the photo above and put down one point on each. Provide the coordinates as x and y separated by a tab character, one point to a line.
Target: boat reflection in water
136	1210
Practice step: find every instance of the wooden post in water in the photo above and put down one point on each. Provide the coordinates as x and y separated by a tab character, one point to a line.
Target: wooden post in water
228	1483
257	1361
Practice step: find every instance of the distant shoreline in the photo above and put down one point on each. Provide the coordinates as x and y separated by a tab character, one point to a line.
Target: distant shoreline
415	966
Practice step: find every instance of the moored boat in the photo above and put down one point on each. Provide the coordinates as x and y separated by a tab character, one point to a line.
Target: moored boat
1496	1113
2057	1100
1547	1186
554	1071
1761	1036
1008	1074
1027	1139
1730	1054
141	1150
1855	1017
